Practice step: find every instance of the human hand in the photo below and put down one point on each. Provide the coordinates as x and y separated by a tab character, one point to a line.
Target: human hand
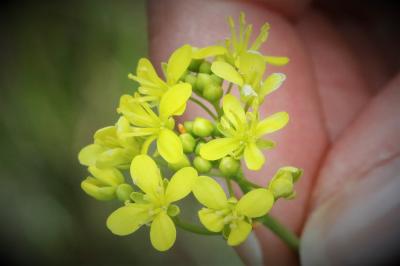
344	129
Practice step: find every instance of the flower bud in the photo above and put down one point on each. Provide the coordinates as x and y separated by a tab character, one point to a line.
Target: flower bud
201	81
198	147
282	183
205	67
202	127
191	79
229	166
188	142
183	162
195	64
96	189
123	192
216	80
203	166
188	125
173	210
212	92
107	176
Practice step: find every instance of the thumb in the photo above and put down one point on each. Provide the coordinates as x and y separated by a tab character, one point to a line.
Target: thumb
357	213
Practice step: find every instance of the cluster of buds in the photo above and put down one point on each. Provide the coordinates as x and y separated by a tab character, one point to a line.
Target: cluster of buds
147	142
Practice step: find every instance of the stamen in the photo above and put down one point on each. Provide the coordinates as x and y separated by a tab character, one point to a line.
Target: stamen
261	38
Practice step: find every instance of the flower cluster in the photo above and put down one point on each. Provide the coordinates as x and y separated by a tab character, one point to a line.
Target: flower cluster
149	142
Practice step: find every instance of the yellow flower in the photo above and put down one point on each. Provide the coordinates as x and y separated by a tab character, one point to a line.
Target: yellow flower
229	215
151	85
103	183
111	148
238	43
146	123
154	206
243	136
248	76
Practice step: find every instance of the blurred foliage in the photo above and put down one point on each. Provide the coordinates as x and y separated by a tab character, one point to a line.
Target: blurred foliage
64	66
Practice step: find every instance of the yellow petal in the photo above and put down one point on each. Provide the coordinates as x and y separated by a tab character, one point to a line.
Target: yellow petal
255	203
211	221
88	155
97	189
253	157
107	136
109	176
272	123
127	219
209	193
218	148
276	60
175	99
146	71
178	63
137	112
118	157
239	233
272	83
227	72
252	67
180	184
233	110
162	232
146	175
169	146
208	51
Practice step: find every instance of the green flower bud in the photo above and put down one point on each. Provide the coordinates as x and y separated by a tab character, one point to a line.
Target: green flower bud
198	147
202	165
195	65
281	188
229	166
282	183
212	92
188	125
202	127
191	79
201	81
184	162
188	142
205	67
173	210
97	189
216	80
123	192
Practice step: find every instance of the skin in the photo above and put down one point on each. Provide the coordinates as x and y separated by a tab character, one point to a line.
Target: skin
344	128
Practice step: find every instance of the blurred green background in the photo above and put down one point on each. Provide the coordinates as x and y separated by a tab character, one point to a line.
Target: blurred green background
64	66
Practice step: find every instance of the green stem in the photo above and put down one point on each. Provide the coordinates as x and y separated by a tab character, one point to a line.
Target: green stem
217	109
281	231
192	227
287	236
205	108
229	88
229	184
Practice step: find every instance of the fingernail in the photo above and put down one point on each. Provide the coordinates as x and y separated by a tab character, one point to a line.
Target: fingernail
360	225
